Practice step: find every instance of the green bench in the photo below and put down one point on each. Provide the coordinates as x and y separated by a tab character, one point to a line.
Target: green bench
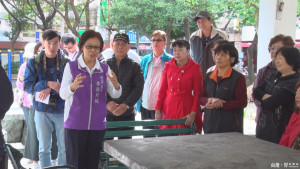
110	162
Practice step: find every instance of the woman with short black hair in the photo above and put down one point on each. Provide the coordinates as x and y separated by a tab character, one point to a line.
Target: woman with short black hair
225	94
84	86
277	95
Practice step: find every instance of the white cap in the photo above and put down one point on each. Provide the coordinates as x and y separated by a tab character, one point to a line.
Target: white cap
28	50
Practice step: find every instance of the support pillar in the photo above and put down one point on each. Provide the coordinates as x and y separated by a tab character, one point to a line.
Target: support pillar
274	19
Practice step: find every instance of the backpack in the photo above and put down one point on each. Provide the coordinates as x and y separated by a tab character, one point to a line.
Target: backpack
37	59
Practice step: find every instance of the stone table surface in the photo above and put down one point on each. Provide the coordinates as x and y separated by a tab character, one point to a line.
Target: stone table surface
210	151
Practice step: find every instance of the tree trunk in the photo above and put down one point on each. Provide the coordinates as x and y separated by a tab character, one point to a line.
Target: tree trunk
168	32
251	51
187	28
214	24
87	15
13	41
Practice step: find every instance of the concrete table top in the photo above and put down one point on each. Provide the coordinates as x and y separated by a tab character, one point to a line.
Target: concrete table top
210	151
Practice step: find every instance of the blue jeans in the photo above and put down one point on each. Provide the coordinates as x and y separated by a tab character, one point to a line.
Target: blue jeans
45	123
26	113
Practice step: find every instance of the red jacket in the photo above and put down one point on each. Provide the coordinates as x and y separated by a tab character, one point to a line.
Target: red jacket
291	131
179	92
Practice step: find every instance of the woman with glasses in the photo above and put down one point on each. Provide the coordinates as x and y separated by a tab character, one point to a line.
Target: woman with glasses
84	86
276	42
277	95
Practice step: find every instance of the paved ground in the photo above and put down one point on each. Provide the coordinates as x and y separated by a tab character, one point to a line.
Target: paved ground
249	126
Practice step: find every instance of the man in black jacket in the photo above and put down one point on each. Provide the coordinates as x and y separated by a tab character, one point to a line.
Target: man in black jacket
130	76
6	100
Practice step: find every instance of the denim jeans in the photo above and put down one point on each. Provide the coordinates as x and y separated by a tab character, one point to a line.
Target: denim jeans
26	113
45	123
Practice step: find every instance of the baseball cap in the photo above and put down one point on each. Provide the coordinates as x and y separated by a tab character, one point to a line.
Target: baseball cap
202	14
121	36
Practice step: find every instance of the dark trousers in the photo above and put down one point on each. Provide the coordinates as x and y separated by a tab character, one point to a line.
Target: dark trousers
83	147
147	115
111	117
3	155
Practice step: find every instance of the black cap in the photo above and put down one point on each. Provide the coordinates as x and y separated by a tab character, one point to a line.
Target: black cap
202	14
121	36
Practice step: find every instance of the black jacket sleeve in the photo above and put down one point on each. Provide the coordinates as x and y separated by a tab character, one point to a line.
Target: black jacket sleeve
259	92
6	93
138	86
281	97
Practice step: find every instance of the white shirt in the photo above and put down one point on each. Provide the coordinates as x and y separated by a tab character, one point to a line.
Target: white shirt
72	56
108	53
65	89
152	83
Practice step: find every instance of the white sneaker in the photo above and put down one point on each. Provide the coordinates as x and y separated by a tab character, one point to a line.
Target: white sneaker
54	163
35	166
27	161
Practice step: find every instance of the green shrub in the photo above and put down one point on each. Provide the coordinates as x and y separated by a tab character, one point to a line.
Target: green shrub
14	67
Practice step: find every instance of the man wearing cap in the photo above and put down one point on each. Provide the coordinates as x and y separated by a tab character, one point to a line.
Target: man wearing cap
202	40
130	77
108	53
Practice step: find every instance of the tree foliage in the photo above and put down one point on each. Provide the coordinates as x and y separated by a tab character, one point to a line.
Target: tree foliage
149	15
72	13
16	25
17	21
245	10
35	11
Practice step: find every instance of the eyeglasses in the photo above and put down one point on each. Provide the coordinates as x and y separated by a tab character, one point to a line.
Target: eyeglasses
156	40
274	48
91	47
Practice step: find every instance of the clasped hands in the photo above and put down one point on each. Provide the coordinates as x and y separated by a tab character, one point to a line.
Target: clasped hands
116	109
214	103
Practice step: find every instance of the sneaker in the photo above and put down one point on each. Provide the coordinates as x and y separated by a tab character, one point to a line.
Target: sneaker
54	163
35	166
26	161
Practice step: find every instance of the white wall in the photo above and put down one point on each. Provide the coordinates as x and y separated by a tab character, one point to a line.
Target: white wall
269	26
